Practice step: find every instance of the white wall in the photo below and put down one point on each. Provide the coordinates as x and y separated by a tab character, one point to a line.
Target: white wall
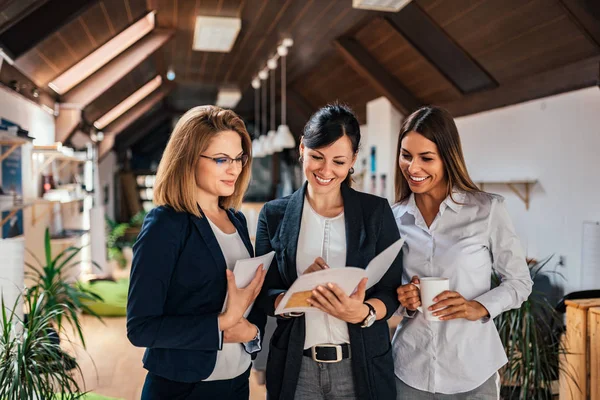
383	125
555	140
30	116
107	169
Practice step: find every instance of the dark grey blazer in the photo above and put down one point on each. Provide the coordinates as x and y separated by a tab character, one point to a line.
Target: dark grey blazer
370	229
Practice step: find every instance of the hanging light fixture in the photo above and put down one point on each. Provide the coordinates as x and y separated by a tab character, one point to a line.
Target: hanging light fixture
284	138
257	151
272	134
265	143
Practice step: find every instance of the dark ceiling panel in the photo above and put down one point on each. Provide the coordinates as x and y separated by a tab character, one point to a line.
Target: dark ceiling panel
405	63
435	45
512	39
12	11
39	24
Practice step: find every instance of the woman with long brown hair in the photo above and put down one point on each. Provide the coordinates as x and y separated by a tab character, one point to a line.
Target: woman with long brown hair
182	263
456	232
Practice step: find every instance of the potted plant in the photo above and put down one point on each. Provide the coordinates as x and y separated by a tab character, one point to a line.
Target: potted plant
531	343
32	365
120	238
49	282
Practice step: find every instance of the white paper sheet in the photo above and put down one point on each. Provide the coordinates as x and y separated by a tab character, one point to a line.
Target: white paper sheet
346	278
244	271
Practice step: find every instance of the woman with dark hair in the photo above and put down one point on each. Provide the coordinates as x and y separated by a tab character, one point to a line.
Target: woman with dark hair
341	350
455	231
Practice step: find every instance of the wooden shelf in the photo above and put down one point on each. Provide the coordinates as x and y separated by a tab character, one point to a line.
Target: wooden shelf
15	142
512	185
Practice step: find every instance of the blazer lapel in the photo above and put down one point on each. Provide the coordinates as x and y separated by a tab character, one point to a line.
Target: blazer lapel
210	239
289	232
355	228
242	231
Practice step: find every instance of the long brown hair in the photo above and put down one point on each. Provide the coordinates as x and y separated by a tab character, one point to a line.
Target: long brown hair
176	176
437	125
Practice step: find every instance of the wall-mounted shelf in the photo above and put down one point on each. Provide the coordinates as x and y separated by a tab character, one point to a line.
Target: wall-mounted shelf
15	142
514	186
47	206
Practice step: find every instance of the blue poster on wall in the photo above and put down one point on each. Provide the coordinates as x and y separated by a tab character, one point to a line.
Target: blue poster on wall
12	184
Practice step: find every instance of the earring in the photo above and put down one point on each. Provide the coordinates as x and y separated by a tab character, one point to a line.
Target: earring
351	170
301	159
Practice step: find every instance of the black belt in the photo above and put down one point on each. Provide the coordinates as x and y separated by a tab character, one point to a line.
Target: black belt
328	353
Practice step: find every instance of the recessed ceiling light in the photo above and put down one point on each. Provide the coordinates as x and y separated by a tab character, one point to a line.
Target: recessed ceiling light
103	55
129	102
217	34
380	5
228	97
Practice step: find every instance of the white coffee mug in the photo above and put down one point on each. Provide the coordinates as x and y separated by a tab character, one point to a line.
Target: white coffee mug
430	288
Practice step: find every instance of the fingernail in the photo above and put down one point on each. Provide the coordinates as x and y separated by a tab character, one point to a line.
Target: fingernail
435	299
315	292
430	308
330	285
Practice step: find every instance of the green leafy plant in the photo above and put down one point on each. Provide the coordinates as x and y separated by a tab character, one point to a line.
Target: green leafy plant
50	285
117	237
531	343
32	365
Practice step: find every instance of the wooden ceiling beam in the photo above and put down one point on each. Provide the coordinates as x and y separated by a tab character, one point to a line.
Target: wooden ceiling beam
441	51
125	120
574	76
139	130
366	66
91	88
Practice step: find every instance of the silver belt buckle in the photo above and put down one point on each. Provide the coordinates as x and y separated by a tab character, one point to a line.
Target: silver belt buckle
338	353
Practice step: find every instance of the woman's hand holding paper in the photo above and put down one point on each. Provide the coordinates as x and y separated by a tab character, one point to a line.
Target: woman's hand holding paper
332	300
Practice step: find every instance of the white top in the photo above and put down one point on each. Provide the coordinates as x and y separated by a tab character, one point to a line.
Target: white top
326	238
232	359
464	242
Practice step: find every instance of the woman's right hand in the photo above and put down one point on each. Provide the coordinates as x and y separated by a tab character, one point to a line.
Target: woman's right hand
409	295
238	300
318	265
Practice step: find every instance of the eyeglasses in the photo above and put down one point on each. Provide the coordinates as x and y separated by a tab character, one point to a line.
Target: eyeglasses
226	161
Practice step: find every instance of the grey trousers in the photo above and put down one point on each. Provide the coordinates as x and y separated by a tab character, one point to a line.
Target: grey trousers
325	381
489	390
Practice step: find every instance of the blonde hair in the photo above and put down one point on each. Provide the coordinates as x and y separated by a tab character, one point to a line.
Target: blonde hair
437	125
176	176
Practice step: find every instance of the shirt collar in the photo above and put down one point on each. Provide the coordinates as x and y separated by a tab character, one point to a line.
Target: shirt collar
454	202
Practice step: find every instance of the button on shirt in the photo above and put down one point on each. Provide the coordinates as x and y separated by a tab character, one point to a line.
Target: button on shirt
234	358
326	238
466	239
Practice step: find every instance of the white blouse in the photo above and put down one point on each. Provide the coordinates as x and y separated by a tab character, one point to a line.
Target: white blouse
326	238
466	239
233	359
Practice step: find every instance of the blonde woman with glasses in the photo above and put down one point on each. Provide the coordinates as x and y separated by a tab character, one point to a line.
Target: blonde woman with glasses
182	263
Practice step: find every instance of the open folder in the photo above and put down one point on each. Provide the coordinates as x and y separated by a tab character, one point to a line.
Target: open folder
244	271
346	278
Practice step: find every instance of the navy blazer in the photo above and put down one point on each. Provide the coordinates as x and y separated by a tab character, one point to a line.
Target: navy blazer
177	289
370	229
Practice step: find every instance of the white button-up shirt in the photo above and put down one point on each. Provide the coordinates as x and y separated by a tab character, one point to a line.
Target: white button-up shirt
466	239
234	358
326	238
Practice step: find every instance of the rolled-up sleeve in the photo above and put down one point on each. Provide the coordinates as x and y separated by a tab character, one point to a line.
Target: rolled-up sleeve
385	289
508	261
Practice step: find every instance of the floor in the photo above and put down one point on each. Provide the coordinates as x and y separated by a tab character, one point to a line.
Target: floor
111	366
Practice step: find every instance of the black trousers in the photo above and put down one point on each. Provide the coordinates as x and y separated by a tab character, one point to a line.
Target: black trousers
158	388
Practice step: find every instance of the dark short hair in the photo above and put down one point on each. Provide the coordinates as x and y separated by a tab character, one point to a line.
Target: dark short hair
330	123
